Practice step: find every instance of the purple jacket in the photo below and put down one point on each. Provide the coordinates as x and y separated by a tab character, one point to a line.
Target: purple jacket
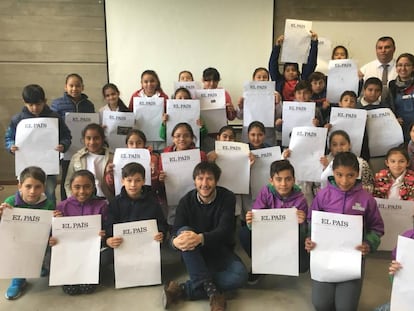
407	234
355	201
72	207
268	198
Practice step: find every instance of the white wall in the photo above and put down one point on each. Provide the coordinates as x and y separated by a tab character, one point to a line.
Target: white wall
170	36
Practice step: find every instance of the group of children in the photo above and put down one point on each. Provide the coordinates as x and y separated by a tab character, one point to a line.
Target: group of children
88	180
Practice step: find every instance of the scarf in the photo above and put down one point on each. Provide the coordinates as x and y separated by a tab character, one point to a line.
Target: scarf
403	85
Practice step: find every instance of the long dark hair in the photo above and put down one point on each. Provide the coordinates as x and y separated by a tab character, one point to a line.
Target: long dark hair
121	105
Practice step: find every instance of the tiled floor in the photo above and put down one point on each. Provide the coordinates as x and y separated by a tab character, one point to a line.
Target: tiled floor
271	293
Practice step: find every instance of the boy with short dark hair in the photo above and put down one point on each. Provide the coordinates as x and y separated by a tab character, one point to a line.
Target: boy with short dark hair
371	95
317	81
372	99
135	202
303	93
35	107
280	192
30	194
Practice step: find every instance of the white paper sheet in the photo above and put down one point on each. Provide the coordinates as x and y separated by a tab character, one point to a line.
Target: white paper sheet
76	122
259	103
192	86
37	139
307	146
123	156
260	171
324	54
351	121
183	110
296	114
335	257
233	159
384	131
280	253
148	116
213	108
117	124
402	298
342	76
296	45
397	215
178	167
75	257
137	260
24	235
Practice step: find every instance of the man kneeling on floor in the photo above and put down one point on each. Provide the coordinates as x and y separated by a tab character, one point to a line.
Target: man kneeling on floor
204	233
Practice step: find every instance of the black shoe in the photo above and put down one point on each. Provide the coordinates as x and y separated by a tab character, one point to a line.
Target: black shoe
253	279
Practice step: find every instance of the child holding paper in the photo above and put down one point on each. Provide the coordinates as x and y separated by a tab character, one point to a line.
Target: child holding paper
286	82
345	195
150	87
397	181
136	139
281	192
95	157
35	107
394	267
348	99
303	94
256	136
317	81
181	93
134	203
30	194
273	134
81	202
227	133
73	100
370	100
111	94
339	141
183	139
211	79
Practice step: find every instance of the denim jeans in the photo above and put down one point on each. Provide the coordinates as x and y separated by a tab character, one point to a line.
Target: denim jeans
230	274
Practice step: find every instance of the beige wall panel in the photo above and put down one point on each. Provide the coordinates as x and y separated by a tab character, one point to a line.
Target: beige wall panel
51	7
53	52
41	41
52	78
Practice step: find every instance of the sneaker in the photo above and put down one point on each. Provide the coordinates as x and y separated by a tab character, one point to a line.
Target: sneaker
253	279
15	289
171	294
87	288
72	290
217	302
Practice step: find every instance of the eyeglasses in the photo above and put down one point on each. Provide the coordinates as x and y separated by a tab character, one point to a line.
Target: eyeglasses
184	136
403	65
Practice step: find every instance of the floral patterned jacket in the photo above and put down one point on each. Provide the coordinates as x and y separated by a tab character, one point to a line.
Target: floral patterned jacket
384	180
